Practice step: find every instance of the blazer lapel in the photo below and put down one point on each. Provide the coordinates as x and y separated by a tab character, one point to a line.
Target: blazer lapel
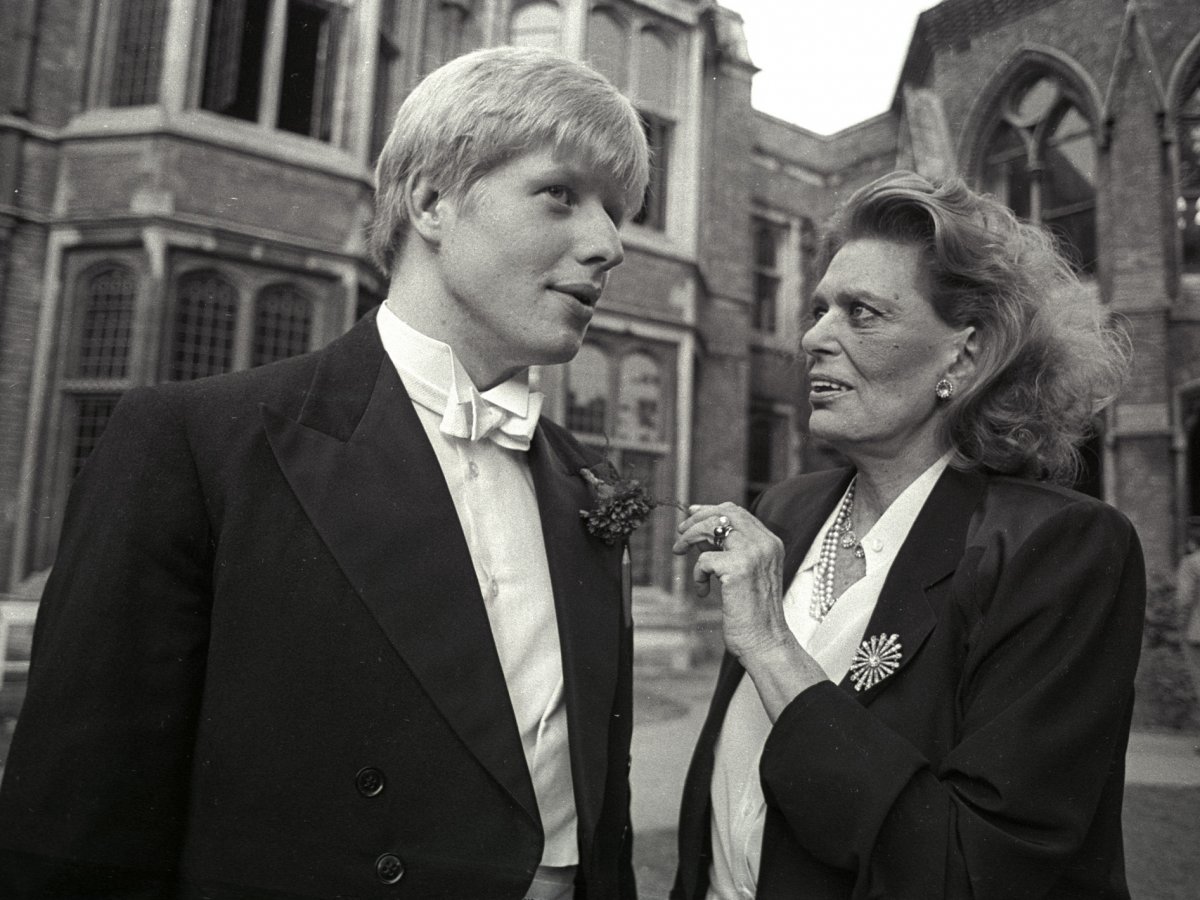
371	485
920	575
586	578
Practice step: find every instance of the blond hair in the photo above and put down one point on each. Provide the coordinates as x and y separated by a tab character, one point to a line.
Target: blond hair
480	110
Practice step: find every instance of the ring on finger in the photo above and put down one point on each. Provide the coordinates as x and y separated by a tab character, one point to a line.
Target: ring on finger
721	532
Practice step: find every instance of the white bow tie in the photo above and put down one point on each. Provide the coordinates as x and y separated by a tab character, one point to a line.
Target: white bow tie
467	414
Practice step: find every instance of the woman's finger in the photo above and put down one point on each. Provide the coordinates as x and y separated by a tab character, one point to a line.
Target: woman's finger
699	512
701	534
703	571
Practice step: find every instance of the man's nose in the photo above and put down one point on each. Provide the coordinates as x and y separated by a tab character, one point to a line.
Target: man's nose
600	241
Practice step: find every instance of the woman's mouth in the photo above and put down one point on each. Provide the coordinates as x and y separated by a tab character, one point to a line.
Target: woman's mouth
822	387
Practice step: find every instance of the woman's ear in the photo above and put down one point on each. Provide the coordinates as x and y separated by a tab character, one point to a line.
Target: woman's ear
426	208
966	361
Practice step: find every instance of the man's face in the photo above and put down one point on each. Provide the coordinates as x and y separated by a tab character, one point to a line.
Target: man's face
523	258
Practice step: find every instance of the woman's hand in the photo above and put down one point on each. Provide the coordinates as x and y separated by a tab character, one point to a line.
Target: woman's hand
750	571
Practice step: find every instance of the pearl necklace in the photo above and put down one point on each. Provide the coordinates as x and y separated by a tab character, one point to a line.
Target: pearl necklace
840	532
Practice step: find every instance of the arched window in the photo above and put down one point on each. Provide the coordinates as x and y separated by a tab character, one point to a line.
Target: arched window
1040	159
137	52
282	324
100	363
204	326
608	46
1188	203
106	324
588	385
639	414
537	24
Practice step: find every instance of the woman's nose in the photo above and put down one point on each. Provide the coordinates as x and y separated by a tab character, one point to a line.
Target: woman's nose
818	336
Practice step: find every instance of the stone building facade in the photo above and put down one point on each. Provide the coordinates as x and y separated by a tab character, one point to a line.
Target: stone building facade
184	186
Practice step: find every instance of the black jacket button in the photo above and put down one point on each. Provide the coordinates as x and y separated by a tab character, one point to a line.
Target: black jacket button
369	781
389	868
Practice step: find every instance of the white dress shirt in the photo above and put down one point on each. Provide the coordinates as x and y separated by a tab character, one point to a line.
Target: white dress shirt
738	807
493	493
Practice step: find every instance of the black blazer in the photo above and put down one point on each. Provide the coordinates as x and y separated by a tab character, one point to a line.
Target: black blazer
991	763
262	665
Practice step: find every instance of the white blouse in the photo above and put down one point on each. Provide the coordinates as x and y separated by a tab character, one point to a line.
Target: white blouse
738	807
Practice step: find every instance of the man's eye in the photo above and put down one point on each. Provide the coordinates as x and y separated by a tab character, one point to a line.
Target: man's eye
561	193
860	311
816	313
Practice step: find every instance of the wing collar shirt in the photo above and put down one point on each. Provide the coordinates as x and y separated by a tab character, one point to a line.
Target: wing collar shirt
738	807
480	439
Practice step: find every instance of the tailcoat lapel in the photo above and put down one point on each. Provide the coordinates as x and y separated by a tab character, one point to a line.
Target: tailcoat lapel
586	578
915	589
363	469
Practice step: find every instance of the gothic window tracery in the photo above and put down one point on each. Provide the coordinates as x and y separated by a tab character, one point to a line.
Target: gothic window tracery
1040	159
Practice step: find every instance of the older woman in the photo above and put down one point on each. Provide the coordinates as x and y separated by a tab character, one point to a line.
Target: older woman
940	642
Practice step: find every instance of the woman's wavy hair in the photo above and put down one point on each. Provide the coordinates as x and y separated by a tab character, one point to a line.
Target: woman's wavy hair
485	108
1049	357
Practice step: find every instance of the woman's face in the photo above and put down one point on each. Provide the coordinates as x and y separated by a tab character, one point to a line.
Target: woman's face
876	349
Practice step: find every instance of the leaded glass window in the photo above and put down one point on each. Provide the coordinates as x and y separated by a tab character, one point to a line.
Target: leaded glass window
282	324
203	333
92	412
106	324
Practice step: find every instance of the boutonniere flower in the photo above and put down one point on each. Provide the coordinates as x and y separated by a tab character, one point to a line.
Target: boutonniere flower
874	660
620	505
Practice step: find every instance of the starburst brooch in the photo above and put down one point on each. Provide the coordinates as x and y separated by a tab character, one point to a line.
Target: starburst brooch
874	660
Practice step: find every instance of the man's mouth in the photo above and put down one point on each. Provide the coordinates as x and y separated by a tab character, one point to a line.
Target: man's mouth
587	294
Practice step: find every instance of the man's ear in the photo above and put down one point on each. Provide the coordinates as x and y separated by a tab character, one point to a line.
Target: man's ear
427	208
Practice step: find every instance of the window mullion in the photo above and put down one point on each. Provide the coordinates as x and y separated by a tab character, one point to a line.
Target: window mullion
268	104
173	80
1036	171
243	330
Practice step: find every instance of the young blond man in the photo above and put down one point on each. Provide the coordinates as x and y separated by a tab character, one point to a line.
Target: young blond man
333	627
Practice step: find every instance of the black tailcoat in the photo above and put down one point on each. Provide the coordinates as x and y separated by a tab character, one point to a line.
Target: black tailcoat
262	663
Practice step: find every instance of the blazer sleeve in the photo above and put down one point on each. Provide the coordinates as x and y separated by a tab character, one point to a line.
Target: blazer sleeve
95	790
1043	709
